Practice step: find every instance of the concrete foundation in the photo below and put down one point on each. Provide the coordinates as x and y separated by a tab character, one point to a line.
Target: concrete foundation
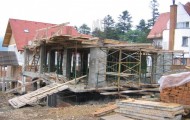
97	67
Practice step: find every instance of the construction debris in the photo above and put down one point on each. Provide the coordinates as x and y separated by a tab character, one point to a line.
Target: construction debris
34	96
139	109
104	110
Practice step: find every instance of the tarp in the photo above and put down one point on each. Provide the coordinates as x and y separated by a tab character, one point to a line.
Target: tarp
174	80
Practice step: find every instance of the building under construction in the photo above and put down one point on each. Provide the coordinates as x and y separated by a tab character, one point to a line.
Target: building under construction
103	64
82	63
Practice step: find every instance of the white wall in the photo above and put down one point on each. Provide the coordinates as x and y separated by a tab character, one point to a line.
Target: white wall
182	16
165	41
178	40
20	56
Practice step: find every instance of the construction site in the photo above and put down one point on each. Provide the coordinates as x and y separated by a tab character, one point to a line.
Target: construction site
71	76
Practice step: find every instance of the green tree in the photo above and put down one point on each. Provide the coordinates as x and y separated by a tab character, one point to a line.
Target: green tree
109	28
125	21
142	25
155	13
108	22
84	29
136	36
98	33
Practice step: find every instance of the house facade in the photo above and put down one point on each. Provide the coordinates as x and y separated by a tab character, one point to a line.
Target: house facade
20	33
161	31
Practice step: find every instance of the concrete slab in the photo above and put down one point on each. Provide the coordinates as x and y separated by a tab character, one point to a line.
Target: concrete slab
115	117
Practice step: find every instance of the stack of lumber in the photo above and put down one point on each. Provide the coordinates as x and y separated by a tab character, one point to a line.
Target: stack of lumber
139	109
175	88
179	94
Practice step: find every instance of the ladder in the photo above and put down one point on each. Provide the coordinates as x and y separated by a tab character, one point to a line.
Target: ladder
35	59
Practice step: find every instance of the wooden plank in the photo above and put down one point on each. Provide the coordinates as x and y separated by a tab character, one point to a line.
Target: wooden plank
90	42
109	93
40	93
151	112
105	110
146	117
151	104
22	86
115	117
111	41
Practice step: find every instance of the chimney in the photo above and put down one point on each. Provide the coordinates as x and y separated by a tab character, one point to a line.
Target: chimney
173	22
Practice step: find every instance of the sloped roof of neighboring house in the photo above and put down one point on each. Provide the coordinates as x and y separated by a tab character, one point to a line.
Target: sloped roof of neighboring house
24	31
187	7
8	58
159	26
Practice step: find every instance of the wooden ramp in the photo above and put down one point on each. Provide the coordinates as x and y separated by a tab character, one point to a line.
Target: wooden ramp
34	96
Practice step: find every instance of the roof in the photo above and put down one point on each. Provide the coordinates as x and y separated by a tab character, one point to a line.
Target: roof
24	31
159	26
8	58
161	23
187	7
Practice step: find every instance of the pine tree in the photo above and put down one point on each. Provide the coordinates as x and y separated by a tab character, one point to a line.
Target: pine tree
124	24
84	29
143	26
155	13
109	28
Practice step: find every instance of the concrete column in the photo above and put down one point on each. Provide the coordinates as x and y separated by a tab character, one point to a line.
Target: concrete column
51	61
24	69
67	63
52	100
84	63
42	58
97	68
3	84
153	70
7	85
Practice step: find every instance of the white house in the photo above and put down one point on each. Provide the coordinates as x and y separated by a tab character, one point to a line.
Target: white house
160	32
20	33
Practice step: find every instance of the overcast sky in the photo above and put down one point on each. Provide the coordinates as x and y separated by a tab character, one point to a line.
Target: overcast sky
76	12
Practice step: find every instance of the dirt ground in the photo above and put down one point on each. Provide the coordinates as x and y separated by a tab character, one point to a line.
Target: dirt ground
37	112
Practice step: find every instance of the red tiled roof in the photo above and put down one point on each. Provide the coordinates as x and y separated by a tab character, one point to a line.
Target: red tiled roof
187	7
159	26
24	31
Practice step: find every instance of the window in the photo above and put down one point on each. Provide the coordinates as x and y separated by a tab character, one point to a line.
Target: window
184	41
183	25
26	30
